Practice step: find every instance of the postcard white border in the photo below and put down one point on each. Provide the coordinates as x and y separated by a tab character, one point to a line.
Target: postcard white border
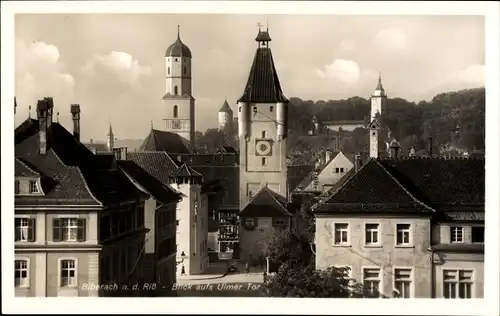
486	306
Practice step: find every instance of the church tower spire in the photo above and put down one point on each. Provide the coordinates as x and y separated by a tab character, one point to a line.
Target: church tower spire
111	139
262	124
178	101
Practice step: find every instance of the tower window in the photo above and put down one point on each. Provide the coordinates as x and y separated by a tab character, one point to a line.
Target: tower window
176	111
264	161
168	71
239	109
185	69
176	90
271	108
176	59
263	134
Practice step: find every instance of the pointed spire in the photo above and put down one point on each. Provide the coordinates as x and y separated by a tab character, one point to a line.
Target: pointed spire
178	32
379	84
151	124
110	133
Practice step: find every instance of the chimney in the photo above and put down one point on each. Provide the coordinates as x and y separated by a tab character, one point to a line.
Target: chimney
120	153
357	162
327	156
75	113
50	110
430	147
41	111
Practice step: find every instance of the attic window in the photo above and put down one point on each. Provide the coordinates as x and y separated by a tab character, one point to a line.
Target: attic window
33	187
337	170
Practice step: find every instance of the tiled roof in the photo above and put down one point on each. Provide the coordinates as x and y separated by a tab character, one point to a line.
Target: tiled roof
229	177
372	189
178	49
263	85
186	171
221	159
23	170
296	173
165	141
226	108
411	183
70	173
310	177
266	203
97	147
158	164
442	183
162	193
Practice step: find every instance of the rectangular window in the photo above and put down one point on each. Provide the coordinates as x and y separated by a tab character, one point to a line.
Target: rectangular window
341	231
17	187
457	234
337	170
69	229
402	282
263	134
33	187
403	234
457	283
341	170
371	282
264	161
24	229
21	273
478	234
372	234
68	273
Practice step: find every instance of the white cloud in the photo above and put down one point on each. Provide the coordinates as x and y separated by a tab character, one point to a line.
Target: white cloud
346	71
473	74
40	73
120	66
391	39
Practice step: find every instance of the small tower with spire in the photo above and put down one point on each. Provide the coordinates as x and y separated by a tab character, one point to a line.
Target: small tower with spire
378	99
111	139
225	117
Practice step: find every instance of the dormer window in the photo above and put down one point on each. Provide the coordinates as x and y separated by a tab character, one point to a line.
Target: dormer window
33	187
17	187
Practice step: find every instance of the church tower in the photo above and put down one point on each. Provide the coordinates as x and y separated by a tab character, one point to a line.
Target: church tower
378	100
262	127
178	102
378	105
225	118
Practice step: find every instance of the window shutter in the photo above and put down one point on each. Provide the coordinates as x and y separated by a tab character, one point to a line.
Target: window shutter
32	229
56	231
17	234
81	230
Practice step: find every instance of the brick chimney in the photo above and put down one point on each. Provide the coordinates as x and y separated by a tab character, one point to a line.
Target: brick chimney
41	112
75	113
50	110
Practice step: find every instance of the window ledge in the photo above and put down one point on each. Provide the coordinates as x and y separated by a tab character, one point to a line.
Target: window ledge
373	246
404	246
342	246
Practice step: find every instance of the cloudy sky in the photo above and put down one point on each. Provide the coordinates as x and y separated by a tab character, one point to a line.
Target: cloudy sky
112	65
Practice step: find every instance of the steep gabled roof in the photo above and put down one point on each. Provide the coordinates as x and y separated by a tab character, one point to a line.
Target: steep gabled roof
162	193
70	174
263	85
166	141
373	189
158	164
226	108
23	170
266	203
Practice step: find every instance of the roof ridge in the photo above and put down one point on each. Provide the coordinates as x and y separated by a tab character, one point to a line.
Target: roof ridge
28	167
272	193
86	184
403	187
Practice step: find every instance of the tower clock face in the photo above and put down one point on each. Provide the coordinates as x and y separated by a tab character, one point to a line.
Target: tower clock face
176	124
263	148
